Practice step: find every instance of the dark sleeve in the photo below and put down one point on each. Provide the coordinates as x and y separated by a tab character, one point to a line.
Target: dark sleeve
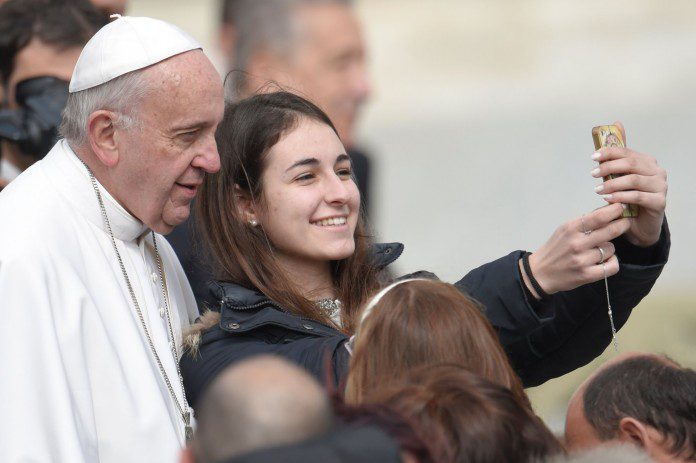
580	330
323	357
569	329
498	286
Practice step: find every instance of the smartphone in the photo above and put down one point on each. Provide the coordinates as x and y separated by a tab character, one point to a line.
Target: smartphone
610	135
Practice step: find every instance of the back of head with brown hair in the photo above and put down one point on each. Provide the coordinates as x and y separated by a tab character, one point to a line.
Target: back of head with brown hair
422	322
465	418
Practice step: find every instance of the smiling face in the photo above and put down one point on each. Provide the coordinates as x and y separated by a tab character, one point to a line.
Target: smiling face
162	164
309	204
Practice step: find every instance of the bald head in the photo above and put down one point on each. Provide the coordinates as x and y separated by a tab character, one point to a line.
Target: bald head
579	433
642	399
258	403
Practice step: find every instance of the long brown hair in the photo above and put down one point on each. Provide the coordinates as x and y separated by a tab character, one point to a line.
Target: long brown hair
466	418
422	322
244	254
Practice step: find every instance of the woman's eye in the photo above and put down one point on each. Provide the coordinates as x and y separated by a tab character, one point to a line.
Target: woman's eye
344	172
305	177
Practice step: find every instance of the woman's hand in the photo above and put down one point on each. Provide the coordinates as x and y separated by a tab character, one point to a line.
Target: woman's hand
644	184
571	258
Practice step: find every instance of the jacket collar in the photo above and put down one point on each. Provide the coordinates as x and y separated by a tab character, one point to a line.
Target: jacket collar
386	253
238	297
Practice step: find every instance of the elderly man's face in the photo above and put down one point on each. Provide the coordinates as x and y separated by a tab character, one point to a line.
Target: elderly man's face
162	165
328	64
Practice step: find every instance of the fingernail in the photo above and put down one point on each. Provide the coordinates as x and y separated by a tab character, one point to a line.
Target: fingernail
599	188
596	156
607	196
625	207
595	172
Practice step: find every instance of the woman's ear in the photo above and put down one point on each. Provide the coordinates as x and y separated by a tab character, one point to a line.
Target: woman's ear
101	133
246	207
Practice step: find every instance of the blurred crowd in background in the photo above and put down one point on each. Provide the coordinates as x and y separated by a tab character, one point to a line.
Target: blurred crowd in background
426	99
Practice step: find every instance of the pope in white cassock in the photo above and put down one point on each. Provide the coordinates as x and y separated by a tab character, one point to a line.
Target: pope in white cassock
93	299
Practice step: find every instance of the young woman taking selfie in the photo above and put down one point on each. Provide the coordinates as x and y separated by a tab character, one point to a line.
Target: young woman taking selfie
295	262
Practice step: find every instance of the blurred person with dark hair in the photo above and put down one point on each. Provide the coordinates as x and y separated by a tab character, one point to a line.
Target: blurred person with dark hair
642	399
40	41
419	322
465	418
261	402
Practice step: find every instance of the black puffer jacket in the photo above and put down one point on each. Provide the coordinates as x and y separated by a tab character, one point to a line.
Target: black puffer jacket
543	340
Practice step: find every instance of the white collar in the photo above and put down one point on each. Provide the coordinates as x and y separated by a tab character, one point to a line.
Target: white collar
8	171
70	177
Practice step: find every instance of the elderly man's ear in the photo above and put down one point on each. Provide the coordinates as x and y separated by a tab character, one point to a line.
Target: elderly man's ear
639	434
102	136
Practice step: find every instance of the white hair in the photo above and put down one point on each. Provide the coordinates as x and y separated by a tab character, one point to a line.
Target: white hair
121	95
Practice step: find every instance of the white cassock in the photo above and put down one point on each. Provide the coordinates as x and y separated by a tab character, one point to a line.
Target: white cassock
78	382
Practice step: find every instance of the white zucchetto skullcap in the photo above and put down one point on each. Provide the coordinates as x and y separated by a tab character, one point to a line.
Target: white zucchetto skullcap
125	45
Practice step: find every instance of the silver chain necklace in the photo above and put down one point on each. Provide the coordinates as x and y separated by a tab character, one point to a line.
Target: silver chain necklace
183	409
332	307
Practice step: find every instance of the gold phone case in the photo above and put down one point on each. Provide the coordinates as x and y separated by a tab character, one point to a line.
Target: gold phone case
610	135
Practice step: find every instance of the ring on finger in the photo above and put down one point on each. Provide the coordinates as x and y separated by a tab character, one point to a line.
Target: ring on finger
601	255
584	228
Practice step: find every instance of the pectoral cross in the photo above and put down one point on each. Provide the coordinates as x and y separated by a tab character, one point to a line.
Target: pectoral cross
188	430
